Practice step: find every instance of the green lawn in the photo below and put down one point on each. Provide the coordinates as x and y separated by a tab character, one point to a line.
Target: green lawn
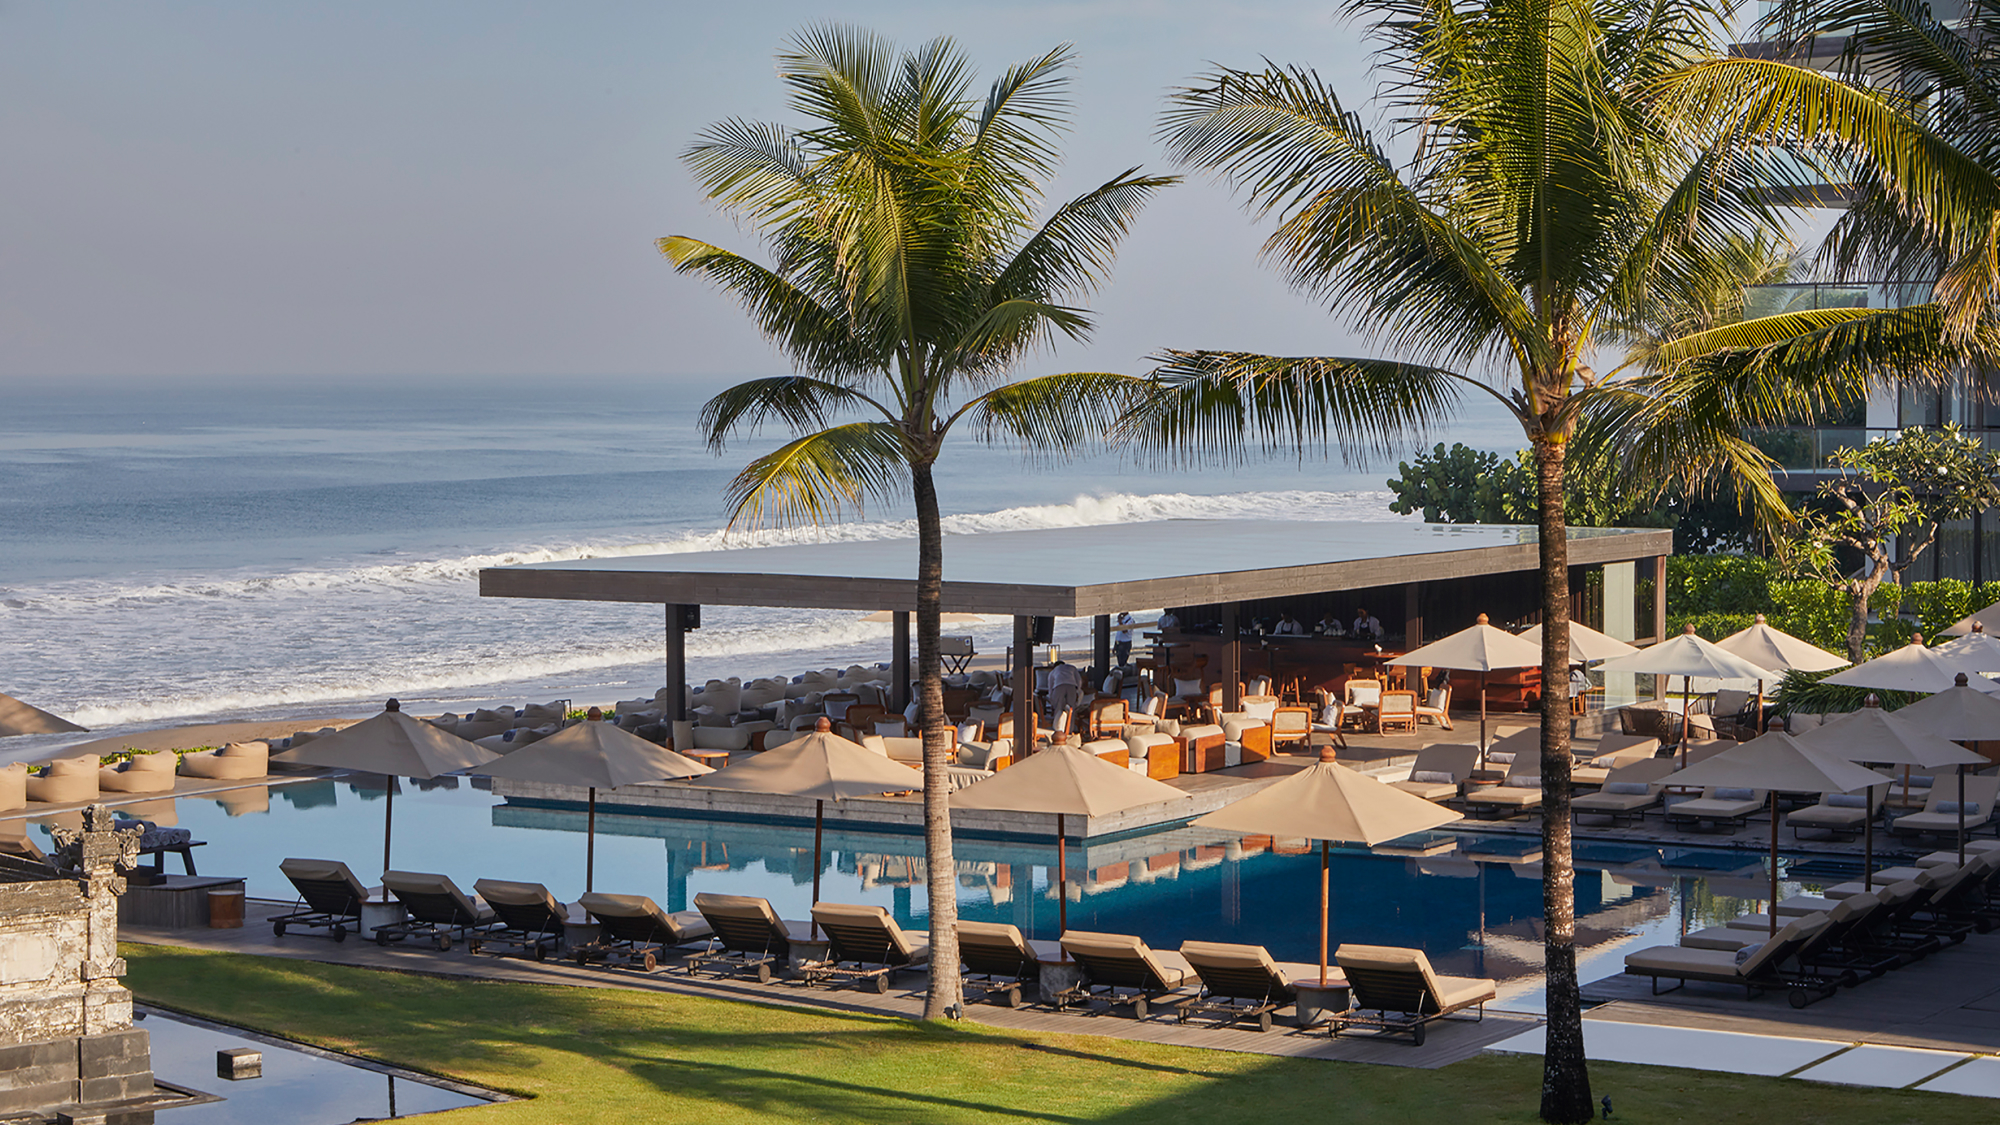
588	1055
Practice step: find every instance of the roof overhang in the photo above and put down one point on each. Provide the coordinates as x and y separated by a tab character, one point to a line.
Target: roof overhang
1074	571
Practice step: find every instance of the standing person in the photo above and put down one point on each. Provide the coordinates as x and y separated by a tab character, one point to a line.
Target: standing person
1288	626
1367	626
1121	641
1169	621
1330	626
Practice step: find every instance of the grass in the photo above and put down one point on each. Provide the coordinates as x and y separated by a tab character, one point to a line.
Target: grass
591	1055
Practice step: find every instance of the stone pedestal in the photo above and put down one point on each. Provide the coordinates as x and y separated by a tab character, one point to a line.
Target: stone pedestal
1318	1002
375	913
1058	977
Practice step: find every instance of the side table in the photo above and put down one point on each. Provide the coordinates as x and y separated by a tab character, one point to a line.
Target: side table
1317	1002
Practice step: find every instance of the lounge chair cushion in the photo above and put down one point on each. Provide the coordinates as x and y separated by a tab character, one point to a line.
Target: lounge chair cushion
1449	993
1628	788
1433	776
234	761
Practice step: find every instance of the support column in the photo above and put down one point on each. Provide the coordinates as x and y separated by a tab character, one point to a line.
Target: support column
677	676
1024	688
1100	652
1659	616
1232	659
1413	615
899	654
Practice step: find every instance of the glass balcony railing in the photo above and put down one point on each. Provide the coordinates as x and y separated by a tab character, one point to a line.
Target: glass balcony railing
1776	300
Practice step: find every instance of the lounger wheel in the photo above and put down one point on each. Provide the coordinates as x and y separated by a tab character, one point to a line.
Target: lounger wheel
381	938
882	984
1417	1036
474	946
581	958
1799	998
650	962
278	929
540	952
1139	1008
1264	1018
1958	937
339	933
763	974
1850	978
1014	997
444	943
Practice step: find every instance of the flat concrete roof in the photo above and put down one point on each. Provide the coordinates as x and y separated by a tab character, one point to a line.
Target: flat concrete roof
1074	571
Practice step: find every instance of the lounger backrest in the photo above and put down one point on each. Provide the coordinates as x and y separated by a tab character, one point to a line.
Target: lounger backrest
431	898
743	923
1454	758
1788	940
1652	772
1758	795
867	934
1240	972
1387	979
522	906
995	949
1979	790
1621	743
1116	959
633	918
326	885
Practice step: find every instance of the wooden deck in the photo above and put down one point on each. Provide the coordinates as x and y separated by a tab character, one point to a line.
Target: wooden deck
1447	1043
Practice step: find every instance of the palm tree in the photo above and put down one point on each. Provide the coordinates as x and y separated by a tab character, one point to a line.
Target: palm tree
908	277
1567	187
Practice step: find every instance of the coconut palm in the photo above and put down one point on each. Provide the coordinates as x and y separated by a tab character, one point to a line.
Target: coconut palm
908	277
1566	189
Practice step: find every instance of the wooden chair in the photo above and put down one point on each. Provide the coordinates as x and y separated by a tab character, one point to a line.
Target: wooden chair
1398	711
1106	718
1437	710
1291	725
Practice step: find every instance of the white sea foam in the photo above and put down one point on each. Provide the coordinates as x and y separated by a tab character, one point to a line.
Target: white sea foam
142	649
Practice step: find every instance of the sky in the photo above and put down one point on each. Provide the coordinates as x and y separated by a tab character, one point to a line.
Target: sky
440	188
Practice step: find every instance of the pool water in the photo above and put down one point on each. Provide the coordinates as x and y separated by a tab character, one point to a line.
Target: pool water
1471	901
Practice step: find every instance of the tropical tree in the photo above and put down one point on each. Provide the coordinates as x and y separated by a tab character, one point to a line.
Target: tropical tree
1569	175
908	278
1885	505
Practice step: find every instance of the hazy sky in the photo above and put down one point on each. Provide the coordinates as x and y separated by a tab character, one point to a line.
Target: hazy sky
474	188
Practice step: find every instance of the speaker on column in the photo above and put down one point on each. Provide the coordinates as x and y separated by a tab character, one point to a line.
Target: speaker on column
1043	631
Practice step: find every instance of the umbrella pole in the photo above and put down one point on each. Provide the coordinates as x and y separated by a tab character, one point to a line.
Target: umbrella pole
1961	815
1686	690
1482	718
388	827
1774	863
590	845
1868	843
1757	723
1324	895
1062	879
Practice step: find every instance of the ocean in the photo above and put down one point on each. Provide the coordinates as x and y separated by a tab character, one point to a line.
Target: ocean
192	550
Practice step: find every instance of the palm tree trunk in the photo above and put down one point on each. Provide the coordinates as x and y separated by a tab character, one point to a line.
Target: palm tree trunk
1857	622
947	993
1565	1070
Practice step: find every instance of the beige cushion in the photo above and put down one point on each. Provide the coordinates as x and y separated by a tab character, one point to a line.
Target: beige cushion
65	781
236	760
1104	746
143	773
722	738
13	786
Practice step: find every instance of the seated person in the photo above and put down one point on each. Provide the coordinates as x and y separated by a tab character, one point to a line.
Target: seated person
1330	626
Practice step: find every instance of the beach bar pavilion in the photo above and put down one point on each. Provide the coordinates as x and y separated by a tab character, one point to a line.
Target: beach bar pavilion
1220	574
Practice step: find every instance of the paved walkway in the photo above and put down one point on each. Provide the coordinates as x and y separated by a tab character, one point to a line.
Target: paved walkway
1446	1043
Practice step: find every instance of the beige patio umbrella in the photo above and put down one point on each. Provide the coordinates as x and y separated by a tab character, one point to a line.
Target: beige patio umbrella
394	745
1068	782
1913	667
823	766
1777	650
1961	713
1689	657
1330	803
1481	649
1988	618
1777	761
1977	651
596	755
1880	738
17	717
1586	645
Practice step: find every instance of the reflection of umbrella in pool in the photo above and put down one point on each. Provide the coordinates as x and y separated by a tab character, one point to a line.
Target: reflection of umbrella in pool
1875	736
823	766
1068	782
1334	805
1777	761
596	755
1688	657
1777	650
1961	713
394	745
1480	648
1910	668
17	717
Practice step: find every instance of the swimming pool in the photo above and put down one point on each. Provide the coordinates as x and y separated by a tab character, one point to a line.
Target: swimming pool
1471	901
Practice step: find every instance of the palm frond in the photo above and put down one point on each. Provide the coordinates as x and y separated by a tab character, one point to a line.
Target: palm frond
818	477
1058	413
1072	251
816	337
1214	407
801	403
1759	332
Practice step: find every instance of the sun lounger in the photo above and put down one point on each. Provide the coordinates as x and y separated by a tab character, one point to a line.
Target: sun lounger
863	945
748	935
438	910
531	920
1238	982
1948	857
1119	969
635	931
1940	813
330	898
1440	771
1614	752
1835	950
1395	991
1757	968
1717	803
998	959
1841	815
1627	793
1520	793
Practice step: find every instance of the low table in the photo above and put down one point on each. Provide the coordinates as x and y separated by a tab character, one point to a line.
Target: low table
708	757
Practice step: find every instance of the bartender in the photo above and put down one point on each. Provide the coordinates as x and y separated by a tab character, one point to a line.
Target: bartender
1288	626
1168	621
1367	626
1330	626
